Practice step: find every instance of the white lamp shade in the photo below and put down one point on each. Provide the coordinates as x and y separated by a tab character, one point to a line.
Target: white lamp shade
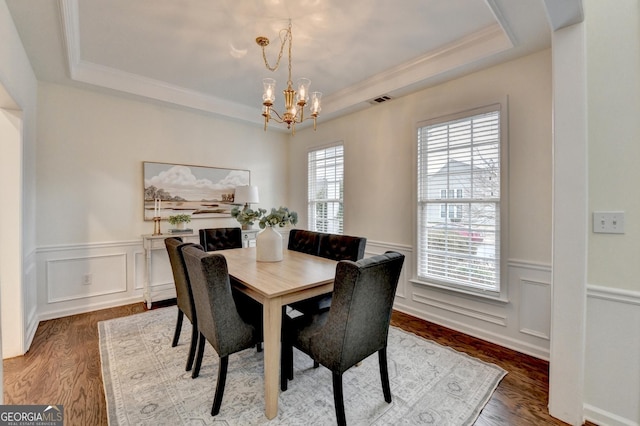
246	194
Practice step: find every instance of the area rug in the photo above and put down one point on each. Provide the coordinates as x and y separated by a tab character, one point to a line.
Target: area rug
145	382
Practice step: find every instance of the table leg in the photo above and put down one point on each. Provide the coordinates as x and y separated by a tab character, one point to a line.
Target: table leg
147	278
272	316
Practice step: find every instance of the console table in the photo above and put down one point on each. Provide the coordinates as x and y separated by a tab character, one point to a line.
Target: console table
153	243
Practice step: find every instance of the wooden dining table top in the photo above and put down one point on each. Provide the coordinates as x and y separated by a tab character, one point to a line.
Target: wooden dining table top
296	272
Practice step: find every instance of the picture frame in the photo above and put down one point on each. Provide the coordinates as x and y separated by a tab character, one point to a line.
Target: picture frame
200	191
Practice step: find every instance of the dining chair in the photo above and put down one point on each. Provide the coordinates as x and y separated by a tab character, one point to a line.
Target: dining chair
213	239
220	238
355	327
334	247
184	295
219	321
304	241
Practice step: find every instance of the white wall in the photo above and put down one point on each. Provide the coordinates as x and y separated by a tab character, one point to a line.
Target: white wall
379	192
91	147
612	364
18	92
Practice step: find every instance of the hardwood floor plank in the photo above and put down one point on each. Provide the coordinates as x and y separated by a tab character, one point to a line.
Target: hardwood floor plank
63	367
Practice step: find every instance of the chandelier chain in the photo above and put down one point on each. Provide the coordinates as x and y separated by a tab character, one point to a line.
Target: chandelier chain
283	42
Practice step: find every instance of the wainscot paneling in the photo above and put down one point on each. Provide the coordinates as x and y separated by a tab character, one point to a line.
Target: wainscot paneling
520	323
85	277
612	359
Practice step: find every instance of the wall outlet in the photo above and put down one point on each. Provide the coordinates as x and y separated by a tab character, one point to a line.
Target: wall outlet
608	222
87	279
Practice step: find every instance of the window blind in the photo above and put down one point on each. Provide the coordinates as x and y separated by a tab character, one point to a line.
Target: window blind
325	189
459	201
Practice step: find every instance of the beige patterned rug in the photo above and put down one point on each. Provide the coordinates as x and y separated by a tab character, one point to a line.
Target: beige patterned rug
145	382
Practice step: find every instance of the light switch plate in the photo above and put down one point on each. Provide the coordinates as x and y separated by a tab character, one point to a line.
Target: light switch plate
608	222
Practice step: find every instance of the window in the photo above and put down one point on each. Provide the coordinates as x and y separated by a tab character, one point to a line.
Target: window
325	190
458	214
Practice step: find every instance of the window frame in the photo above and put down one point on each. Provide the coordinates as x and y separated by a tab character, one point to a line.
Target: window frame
311	203
501	295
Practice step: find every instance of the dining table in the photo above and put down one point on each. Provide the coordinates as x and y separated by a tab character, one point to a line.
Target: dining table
296	277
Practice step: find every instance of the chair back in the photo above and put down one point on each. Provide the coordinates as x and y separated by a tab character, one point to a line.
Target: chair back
304	241
341	247
213	239
360	313
184	294
218	317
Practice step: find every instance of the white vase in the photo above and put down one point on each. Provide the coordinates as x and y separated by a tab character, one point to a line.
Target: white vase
269	245
181	225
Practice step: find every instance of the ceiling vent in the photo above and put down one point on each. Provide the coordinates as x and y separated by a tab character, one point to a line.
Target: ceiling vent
380	99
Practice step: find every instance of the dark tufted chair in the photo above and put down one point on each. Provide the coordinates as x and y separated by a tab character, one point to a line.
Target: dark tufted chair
219	321
304	241
184	295
213	239
341	247
356	325
335	247
220	238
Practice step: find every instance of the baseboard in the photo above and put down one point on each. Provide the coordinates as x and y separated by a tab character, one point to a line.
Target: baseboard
501	340
59	313
604	418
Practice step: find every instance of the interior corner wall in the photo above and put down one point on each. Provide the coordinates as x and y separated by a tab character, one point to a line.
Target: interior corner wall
612	362
19	83
379	194
91	149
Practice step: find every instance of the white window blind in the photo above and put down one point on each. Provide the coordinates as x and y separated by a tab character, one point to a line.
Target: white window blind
459	201
325	189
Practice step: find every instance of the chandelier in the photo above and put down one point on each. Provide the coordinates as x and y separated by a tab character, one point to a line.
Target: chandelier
294	101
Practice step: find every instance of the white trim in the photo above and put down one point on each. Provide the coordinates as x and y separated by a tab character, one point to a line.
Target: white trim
570	225
613	295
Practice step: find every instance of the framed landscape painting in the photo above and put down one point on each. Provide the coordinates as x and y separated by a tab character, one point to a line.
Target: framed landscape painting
199	191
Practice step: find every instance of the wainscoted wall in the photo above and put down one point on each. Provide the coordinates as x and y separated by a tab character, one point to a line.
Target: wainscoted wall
612	362
522	323
81	278
86	277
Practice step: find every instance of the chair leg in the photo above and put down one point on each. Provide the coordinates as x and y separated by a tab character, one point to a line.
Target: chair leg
176	334
338	399
196	369
316	364
222	378
286	365
192	347
384	374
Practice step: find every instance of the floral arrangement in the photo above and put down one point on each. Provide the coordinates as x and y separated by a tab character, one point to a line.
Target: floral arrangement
179	218
247	216
280	217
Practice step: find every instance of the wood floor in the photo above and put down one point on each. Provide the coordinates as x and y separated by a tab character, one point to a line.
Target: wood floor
63	367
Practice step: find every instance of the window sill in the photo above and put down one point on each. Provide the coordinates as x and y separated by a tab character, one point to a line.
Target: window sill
479	294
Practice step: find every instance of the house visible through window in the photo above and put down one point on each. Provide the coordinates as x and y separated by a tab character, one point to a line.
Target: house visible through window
459	200
325	189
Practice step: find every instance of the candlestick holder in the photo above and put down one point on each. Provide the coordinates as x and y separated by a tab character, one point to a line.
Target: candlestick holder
156	225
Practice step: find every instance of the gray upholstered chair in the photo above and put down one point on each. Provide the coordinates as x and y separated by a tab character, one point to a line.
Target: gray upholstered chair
356	325
220	238
304	241
213	239
184	295
219	322
335	247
